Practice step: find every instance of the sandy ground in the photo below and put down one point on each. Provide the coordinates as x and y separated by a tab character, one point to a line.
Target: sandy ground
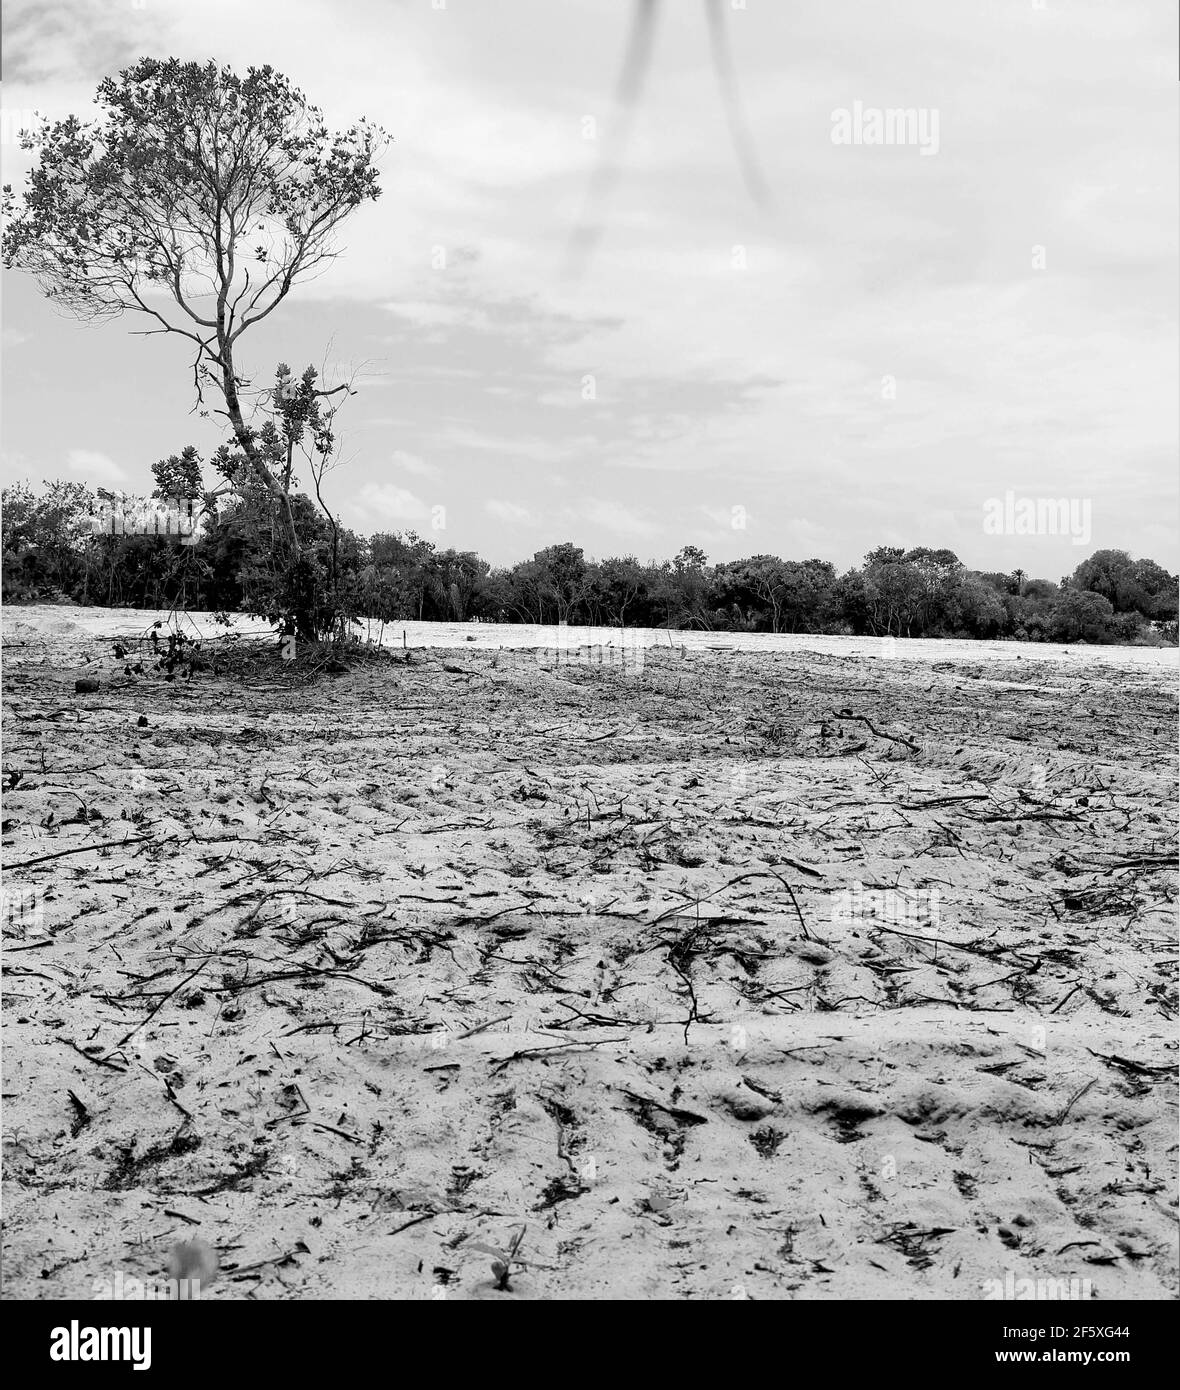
719	991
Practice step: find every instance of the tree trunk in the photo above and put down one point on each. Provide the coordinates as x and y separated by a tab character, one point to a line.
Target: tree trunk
304	620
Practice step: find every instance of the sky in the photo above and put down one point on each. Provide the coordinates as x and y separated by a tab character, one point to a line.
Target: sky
897	336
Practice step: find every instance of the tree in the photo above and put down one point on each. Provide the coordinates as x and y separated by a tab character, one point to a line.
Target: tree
973	608
690	559
45	538
1140	586
560	577
808	595
1160	589
190	177
17	526
1102	573
613	587
179	475
685	588
181	485
1081	615
455	577
851	600
1002	583
410	557
895	592
938	572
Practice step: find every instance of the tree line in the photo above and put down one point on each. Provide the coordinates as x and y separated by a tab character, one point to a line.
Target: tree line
60	545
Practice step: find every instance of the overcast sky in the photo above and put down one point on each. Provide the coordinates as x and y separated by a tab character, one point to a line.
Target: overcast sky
867	360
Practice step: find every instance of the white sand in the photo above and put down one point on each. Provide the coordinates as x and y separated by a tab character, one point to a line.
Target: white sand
564	943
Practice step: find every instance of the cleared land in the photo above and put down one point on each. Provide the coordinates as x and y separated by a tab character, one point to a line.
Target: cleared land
729	973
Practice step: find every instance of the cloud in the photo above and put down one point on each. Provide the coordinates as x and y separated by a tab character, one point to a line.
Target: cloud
510	512
719	516
72	38
612	516
434	313
100	468
519	447
412	463
390	503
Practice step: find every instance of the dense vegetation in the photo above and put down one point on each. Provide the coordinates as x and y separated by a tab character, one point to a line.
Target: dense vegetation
58	546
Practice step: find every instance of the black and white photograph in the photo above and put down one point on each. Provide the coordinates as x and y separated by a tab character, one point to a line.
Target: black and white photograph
590	661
